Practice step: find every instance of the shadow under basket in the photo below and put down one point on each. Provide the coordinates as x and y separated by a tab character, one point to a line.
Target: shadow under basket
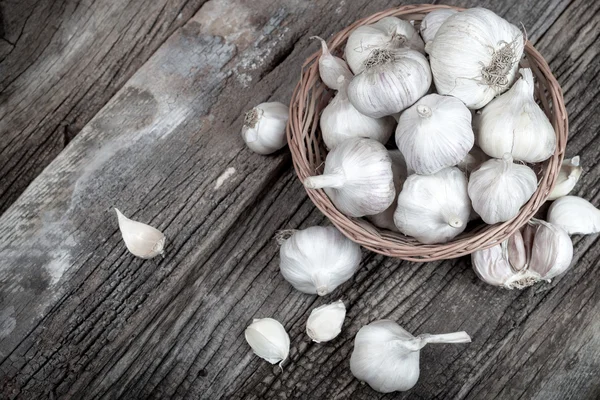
308	152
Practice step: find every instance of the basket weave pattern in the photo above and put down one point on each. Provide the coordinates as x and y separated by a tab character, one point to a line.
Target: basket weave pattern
308	152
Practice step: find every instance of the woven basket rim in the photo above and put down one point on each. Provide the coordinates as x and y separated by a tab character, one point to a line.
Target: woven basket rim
303	116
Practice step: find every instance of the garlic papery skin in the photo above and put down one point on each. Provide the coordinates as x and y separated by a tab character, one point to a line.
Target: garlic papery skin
435	133
473	160
568	176
474	56
318	259
499	188
142	240
325	322
357	178
387	357
514	123
392	81
552	249
575	215
434	208
331	68
432	22
341	121
264	127
268	339
388	33
385	219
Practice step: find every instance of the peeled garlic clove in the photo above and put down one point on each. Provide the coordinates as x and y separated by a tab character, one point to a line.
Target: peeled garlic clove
473	160
357	178
387	357
318	259
269	340
341	121
434	208
552	250
435	133
474	56
331	68
388	33
325	322
514	123
141	240
264	127
575	215
432	22
391	81
499	188
569	174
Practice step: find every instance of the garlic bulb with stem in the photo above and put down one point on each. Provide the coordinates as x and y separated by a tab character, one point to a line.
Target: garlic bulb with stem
435	133
514	123
341	121
474	56
434	208
331	68
264	127
575	215
499	188
269	340
142	240
391	81
357	178
386	34
569	174
325	322
387	357
432	22
318	259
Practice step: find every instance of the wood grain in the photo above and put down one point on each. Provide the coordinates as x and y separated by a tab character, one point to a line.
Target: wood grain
81	318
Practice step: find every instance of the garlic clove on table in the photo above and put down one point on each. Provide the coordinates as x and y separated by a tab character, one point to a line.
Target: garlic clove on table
268	339
575	215
142	240
568	176
325	322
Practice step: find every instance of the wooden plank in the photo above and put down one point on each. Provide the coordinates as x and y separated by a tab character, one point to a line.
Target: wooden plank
82	317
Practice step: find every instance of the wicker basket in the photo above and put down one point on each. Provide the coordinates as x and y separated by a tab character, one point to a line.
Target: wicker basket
308	153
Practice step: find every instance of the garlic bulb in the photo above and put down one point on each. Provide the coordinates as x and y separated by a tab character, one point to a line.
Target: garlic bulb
341	121
541	252
387	357
325	322
387	34
569	174
391	81
514	123
432	22
434	208
575	215
474	56
385	219
357	178
473	160
435	133
269	340
264	127
318	259
499	188
331	68
141	240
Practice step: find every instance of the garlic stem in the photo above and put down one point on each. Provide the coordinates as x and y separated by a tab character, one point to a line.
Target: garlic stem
508	161
420	341
424	111
324	47
335	180
453	220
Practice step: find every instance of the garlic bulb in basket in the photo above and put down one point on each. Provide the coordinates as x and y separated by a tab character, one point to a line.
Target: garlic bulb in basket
318	259
514	123
499	188
391	81
331	68
434	208
264	127
388	33
357	178
268	339
575	215
435	133
387	357
325	322
474	56
432	22
569	174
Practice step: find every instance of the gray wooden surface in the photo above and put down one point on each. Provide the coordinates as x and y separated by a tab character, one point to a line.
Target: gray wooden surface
150	97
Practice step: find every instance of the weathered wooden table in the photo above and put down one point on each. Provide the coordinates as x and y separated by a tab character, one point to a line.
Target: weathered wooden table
139	105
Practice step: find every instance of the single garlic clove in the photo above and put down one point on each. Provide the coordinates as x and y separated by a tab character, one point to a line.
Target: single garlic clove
492	265
517	254
325	322
552	250
575	215
331	68
569	174
264	127
432	22
269	340
142	240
